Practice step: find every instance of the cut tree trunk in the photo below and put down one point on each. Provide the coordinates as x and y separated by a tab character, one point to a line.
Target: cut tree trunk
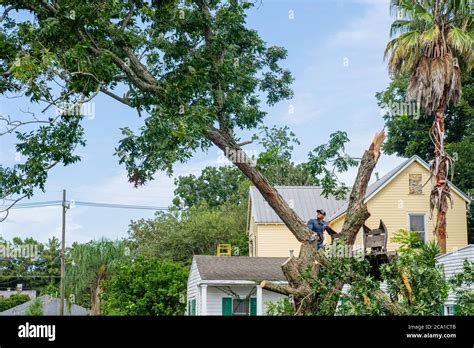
440	192
309	260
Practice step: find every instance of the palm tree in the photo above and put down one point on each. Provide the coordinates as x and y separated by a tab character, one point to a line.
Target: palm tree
90	264
433	45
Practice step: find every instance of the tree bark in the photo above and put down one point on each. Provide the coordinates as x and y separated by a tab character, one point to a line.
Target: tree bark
440	192
309	260
237	156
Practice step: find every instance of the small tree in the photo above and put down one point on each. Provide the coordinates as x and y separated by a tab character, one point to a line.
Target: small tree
462	286
90	264
36	308
146	286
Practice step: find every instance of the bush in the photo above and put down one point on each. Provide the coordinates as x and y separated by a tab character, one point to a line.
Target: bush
461	284
13	301
146	286
36	308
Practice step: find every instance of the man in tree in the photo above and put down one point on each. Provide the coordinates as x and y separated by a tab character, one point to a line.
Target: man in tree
318	226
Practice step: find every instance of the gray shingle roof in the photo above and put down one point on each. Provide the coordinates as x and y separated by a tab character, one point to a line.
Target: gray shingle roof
240	267
50	307
305	201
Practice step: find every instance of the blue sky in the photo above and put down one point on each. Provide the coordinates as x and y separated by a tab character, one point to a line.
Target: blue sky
335	52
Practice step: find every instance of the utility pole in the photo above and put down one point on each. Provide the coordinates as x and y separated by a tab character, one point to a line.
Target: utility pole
63	252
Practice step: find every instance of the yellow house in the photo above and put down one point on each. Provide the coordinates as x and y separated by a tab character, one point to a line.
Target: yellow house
400	198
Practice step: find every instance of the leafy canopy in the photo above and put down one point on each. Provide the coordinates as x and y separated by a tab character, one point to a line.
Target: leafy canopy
433	44
146	286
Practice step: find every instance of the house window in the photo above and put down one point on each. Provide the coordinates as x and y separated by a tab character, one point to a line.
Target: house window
415	184
240	307
448	310
416	223
192	307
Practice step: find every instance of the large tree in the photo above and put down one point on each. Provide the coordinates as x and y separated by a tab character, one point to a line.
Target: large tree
434	45
178	235
408	135
192	68
35	265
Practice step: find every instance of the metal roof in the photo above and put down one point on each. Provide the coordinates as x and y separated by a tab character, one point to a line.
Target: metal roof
240	268
303	199
50	307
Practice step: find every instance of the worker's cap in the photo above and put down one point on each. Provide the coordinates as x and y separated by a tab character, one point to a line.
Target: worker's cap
320	211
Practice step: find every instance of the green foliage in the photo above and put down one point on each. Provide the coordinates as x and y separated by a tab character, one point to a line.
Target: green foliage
281	307
344	270
408	135
146	286
276	162
325	161
88	265
416	264
214	186
42	150
42	268
200	67
407	240
36	308
178	235
13	301
462	283
226	184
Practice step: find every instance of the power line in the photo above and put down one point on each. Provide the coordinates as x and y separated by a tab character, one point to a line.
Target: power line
84	204
29	276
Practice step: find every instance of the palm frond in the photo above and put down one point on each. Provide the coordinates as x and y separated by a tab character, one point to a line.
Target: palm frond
404	52
400	26
463	43
422	14
430	36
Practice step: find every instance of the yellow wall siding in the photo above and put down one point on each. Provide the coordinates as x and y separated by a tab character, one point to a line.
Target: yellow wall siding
252	237
391	204
275	240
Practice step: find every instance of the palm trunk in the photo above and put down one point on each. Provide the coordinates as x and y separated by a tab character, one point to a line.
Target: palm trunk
95	299
440	192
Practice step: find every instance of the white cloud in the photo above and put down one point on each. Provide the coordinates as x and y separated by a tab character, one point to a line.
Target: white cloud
369	30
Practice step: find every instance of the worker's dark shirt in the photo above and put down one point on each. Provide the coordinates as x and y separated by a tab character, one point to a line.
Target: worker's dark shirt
319	226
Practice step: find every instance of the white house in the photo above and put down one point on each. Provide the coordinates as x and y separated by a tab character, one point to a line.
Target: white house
229	285
453	263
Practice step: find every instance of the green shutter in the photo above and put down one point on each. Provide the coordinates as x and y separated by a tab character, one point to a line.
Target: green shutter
455	309
253	306
441	310
227	306
193	307
189	307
